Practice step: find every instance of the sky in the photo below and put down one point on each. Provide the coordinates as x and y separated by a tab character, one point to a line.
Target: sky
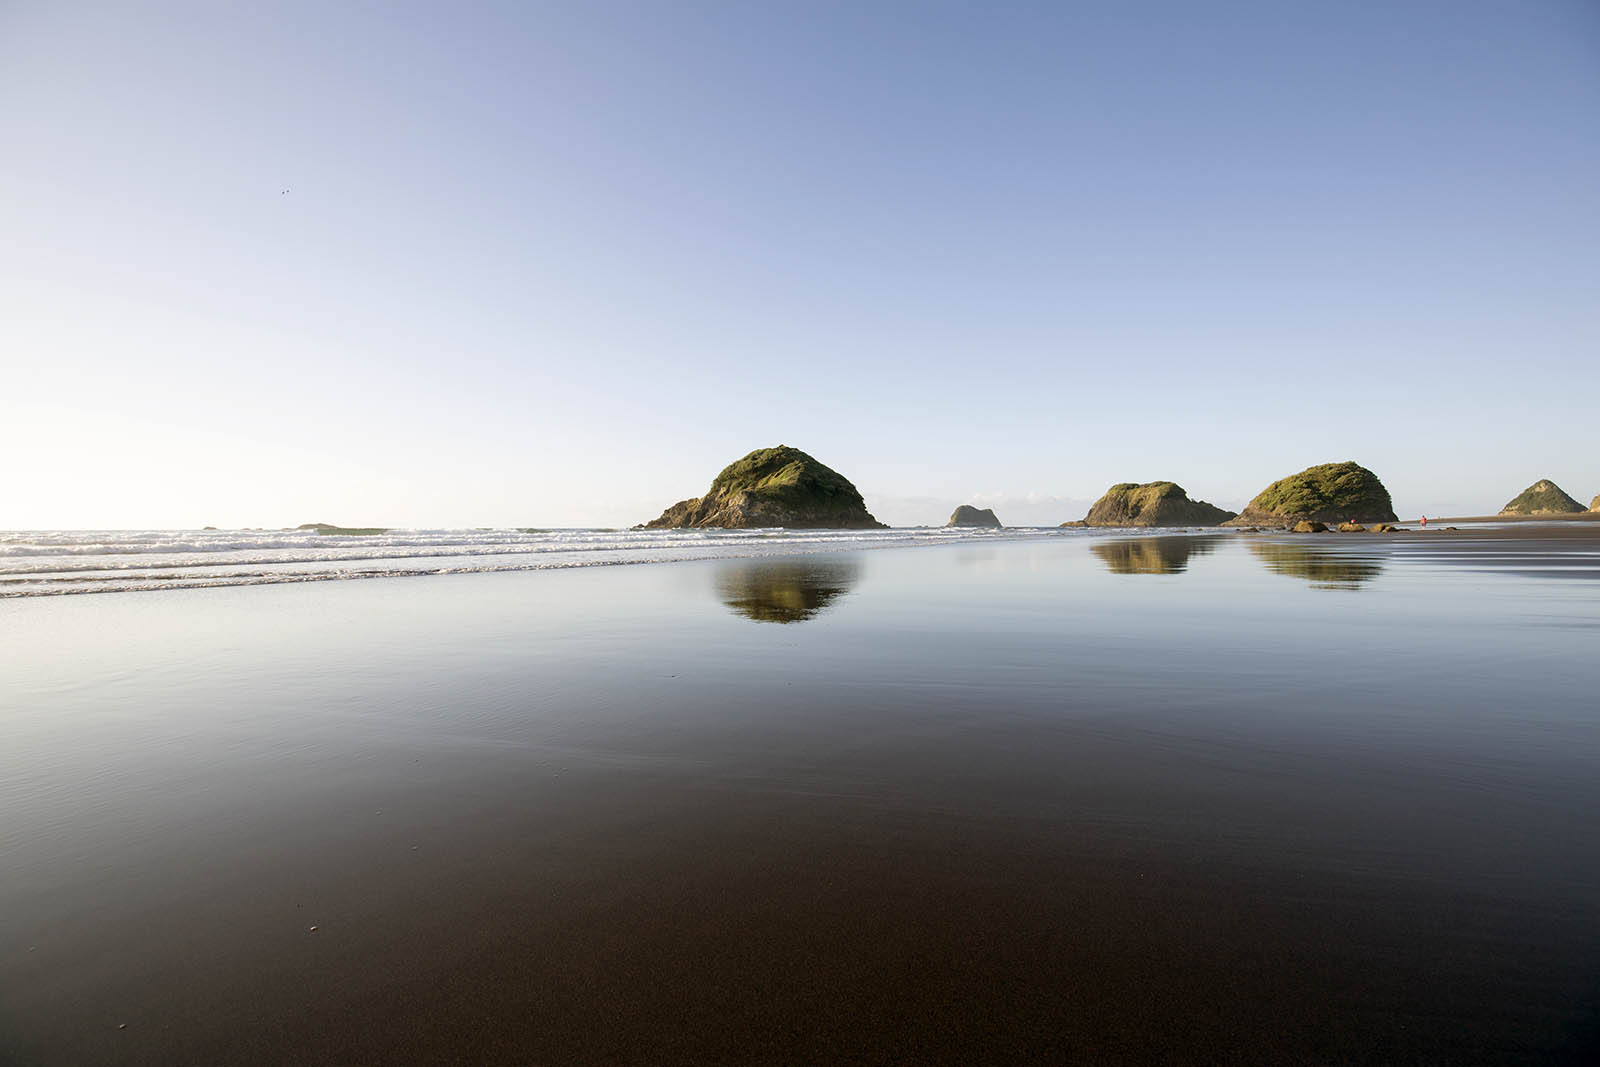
531	264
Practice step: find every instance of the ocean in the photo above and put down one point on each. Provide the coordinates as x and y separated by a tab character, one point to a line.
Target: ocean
59	562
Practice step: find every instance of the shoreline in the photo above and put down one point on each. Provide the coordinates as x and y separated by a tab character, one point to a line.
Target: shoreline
1571	516
1487	530
77	577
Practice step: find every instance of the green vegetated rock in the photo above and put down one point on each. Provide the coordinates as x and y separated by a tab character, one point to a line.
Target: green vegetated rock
773	487
1152	504
1594	505
1329	492
967	515
1543	497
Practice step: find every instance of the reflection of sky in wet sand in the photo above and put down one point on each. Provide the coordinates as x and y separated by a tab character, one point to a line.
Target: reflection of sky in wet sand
785	591
541	795
1322	568
1151	555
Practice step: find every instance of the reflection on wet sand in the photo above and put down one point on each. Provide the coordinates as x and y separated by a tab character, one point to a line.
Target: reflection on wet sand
1151	555
786	590
1323	569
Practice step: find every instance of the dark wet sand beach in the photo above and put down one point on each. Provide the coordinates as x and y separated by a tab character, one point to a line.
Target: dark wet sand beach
1229	798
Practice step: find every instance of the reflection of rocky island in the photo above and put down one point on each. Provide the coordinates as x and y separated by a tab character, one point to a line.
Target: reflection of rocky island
1151	555
784	590
1322	568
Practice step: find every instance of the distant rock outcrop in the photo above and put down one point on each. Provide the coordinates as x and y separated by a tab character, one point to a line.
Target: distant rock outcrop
967	515
344	531
1329	492
773	487
1594	505
1152	504
1543	497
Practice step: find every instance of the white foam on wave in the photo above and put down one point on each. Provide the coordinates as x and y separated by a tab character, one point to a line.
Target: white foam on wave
55	563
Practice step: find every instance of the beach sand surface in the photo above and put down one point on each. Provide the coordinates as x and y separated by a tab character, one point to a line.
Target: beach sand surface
1221	797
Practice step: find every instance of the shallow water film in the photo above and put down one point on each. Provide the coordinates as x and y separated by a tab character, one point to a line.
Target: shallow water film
1223	797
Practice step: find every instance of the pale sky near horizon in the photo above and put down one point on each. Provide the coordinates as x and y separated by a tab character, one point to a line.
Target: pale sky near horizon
557	264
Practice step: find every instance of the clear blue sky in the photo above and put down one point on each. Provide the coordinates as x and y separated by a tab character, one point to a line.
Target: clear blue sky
556	264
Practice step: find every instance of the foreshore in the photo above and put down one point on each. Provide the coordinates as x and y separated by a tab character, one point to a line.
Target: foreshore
1483	530
1518	520
1120	798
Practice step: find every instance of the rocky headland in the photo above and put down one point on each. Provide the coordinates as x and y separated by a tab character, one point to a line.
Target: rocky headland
1152	504
1330	492
773	487
1543	497
967	515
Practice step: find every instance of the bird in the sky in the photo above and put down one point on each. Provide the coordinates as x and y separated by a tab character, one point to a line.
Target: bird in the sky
284	191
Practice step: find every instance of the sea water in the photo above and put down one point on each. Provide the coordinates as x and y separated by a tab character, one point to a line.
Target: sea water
57	562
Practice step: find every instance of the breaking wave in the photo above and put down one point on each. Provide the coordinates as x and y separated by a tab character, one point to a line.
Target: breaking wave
62	562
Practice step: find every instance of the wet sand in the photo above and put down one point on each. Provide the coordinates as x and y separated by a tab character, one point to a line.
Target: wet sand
1533	521
1192	800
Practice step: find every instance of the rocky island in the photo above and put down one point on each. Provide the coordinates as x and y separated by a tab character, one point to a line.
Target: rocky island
1329	492
328	529
1152	504
1543	497
773	487
967	515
